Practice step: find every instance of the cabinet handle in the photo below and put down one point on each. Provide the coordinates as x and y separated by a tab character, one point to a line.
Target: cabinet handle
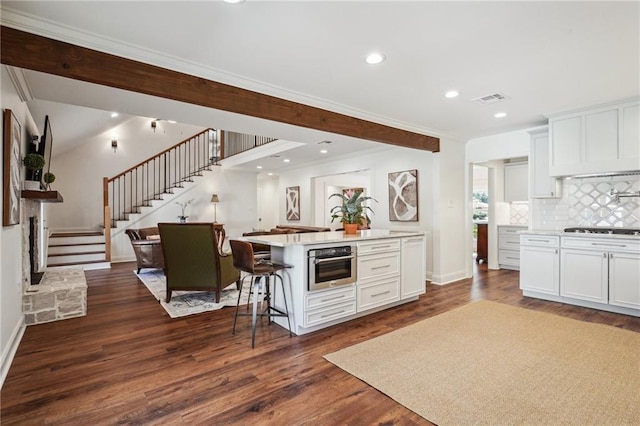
333	259
538	240
604	255
379	247
414	240
332	298
333	314
381	294
513	242
556	251
381	267
608	245
552	193
610	255
515	258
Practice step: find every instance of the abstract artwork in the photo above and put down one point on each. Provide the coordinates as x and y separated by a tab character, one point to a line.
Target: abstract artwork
403	196
293	203
12	160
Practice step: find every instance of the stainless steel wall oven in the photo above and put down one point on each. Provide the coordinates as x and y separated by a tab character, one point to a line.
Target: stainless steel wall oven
331	267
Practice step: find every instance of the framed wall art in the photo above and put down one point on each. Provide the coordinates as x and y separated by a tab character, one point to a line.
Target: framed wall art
11	166
293	203
403	196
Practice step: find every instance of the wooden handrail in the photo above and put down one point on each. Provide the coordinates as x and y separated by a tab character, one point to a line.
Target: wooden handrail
160	154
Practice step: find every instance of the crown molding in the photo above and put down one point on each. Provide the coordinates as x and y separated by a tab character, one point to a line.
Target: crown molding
20	82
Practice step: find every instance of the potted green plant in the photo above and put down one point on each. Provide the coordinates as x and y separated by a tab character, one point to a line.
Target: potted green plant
352	212
34	163
48	179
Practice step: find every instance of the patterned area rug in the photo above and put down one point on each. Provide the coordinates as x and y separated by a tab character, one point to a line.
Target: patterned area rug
185	303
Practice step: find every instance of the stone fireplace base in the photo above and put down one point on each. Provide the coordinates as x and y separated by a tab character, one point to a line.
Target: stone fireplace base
61	294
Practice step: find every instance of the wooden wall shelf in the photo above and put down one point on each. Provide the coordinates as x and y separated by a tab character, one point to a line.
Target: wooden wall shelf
43	196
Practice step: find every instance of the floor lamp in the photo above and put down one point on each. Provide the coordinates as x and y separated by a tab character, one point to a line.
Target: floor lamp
215	200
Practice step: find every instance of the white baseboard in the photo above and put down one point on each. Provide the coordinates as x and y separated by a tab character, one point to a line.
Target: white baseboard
448	278
11	349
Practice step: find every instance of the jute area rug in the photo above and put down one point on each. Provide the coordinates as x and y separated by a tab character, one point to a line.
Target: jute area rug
489	363
185	303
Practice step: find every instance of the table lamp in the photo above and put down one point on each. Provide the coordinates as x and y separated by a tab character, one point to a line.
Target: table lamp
215	200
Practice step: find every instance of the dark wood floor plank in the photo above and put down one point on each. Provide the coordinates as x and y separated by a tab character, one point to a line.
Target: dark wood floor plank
128	362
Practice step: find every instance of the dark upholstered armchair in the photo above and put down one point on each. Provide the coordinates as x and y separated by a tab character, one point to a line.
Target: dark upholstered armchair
192	260
148	251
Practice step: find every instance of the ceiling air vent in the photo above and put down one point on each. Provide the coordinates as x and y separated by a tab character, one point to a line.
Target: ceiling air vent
491	99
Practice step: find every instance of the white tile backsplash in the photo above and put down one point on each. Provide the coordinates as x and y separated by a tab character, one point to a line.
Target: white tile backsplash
585	202
519	214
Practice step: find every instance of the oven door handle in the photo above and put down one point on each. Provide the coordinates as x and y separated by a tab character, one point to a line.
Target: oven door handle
331	259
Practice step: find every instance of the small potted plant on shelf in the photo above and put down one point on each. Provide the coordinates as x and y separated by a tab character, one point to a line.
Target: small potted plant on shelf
48	178
33	162
183	216
352	212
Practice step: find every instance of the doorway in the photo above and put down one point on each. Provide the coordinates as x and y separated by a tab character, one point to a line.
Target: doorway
480	201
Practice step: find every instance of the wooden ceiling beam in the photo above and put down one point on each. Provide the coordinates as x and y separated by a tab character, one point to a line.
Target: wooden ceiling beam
26	50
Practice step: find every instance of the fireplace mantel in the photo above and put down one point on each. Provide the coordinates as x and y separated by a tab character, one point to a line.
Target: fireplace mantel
43	196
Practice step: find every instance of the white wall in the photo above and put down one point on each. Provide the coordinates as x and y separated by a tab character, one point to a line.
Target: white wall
79	172
491	151
268	203
237	209
11	318
440	180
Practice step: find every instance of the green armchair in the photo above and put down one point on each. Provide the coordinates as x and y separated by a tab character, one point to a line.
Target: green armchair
192	261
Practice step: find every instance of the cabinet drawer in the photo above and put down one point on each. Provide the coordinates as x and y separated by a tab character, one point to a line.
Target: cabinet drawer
377	293
540	240
330	297
606	244
378	246
509	242
511	230
378	265
509	257
319	316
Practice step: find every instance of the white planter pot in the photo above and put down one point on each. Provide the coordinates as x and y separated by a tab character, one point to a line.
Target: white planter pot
31	185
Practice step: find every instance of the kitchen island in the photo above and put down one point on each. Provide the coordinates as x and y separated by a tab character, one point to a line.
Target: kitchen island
388	269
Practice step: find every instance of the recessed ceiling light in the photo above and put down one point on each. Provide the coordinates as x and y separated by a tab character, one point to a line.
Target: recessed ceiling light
270	174
323	151
375	58
452	94
258	167
233	1
114	114
286	160
500	114
172	121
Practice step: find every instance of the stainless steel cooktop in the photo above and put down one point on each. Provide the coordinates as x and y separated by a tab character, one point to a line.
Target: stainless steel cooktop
603	230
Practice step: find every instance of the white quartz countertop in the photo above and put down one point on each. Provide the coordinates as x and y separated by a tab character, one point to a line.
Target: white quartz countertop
581	235
311	238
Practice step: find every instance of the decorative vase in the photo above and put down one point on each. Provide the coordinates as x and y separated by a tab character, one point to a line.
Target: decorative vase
183	219
350	228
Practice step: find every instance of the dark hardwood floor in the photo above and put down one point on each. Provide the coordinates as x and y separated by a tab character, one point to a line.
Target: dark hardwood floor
127	362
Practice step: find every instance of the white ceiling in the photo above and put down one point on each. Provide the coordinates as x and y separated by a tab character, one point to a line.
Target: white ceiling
546	57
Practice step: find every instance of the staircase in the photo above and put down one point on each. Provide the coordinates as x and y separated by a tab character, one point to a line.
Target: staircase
87	249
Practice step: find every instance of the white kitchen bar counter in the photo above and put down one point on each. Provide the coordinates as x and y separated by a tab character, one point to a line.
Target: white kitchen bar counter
314	238
390	270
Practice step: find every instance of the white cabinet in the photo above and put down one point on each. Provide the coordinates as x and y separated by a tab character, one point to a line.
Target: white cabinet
624	279
584	275
516	182
509	246
325	306
540	264
601	270
413	277
599	140
541	184
378	273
